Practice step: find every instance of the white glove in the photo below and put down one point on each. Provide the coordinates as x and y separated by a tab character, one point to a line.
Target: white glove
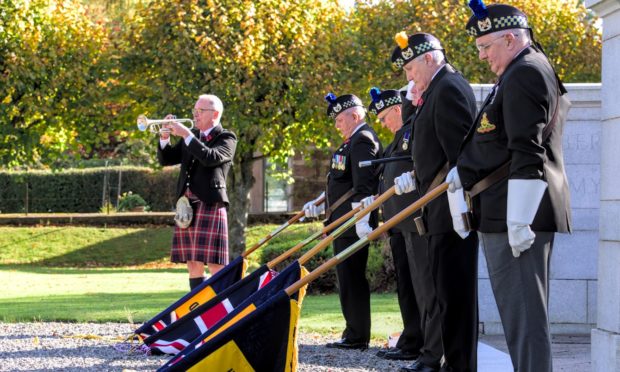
362	228
404	183
311	210
458	206
367	201
454	180
409	94
524	198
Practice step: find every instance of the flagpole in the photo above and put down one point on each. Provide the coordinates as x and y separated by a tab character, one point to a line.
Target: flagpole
375	234
278	230
271	264
350	223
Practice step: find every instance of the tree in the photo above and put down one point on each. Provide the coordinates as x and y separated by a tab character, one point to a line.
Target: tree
268	60
565	28
50	73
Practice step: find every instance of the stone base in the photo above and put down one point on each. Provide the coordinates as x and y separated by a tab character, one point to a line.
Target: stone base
605	351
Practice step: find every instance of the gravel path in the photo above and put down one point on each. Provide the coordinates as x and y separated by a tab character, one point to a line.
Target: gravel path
89	347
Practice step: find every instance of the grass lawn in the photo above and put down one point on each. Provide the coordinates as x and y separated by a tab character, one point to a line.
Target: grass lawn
85	274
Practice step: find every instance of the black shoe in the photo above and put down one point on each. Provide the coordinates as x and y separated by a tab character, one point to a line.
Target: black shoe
347	345
399	354
417	366
381	353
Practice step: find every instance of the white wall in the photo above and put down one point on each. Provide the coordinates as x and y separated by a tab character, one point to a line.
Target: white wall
572	303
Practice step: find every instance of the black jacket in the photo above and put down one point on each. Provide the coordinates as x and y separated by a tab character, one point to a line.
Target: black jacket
345	174
204	165
510	127
400	146
443	119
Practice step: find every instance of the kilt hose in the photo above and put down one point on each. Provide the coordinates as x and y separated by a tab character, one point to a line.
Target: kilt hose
206	239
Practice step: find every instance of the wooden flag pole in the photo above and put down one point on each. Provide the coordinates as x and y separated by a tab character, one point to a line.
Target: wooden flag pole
350	223
375	234
271	264
278	230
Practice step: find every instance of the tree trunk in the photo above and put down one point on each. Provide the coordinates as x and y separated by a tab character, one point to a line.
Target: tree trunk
241	181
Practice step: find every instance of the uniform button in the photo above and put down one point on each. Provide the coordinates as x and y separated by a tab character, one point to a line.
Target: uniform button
187	184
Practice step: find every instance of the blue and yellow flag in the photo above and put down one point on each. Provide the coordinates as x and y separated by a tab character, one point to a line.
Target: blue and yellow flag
230	274
259	335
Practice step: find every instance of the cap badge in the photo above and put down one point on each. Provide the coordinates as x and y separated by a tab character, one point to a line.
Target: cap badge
484	24
407	53
379	104
337	108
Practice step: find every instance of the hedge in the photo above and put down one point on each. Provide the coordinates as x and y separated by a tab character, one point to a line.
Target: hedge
81	190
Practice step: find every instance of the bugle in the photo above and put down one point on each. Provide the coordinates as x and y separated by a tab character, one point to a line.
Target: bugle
157	126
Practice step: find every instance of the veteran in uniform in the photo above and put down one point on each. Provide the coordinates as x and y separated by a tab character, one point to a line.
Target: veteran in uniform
445	112
347	185
387	105
205	154
511	165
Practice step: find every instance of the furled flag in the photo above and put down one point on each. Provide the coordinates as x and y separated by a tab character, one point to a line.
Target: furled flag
259	335
230	274
179	334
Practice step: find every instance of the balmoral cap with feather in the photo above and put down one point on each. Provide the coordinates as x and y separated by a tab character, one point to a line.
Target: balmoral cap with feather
409	47
493	18
336	105
382	100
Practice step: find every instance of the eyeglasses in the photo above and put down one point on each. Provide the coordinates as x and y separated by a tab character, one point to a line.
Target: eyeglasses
382	120
484	47
200	111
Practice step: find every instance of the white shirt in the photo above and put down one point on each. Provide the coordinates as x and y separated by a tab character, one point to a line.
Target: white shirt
356	129
436	72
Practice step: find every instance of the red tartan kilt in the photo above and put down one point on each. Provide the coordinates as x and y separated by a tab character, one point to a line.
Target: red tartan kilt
206	239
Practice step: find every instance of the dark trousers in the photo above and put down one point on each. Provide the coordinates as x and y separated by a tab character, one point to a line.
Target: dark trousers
422	280
354	291
412	338
455	274
521	289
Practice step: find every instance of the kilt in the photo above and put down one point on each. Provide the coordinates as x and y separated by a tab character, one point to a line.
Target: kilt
206	239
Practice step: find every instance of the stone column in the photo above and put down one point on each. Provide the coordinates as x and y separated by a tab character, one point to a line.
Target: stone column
606	336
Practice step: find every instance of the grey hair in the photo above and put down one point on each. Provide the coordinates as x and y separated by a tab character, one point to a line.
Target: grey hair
520	33
359	110
437	56
216	102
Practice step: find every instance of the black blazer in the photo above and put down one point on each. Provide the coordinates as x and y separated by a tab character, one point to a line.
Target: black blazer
510	127
345	174
400	146
443	119
204	165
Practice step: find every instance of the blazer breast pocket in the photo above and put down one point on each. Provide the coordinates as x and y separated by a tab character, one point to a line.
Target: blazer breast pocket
489	126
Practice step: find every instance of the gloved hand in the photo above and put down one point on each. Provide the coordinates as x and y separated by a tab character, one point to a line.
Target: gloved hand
404	183
458	206
524	198
311	210
454	180
367	201
362	228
